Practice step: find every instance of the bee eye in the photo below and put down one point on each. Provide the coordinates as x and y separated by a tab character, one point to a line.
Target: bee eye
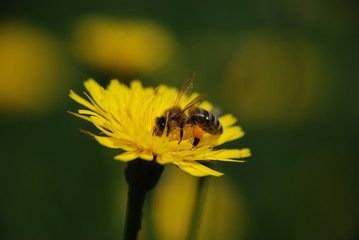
162	125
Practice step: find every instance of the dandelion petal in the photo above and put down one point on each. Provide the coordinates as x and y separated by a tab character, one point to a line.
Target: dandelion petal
196	169
127	156
227	120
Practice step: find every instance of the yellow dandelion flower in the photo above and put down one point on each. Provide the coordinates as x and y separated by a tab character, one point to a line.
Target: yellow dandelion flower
33	67
126	115
122	46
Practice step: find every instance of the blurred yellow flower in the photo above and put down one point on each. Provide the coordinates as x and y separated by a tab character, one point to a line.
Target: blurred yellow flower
276	78
126	115
32	68
224	213
122	47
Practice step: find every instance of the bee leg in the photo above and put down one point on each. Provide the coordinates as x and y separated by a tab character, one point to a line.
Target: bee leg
181	131
168	130
196	141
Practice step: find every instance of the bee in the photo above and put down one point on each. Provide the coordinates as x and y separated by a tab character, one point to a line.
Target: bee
176	118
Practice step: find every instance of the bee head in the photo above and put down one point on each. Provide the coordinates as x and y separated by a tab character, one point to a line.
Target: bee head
160	126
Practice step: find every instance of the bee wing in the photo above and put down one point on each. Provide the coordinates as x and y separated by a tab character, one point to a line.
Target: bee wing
194	102
185	89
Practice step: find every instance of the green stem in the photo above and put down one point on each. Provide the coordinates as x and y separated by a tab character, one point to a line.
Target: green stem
141	177
197	209
134	213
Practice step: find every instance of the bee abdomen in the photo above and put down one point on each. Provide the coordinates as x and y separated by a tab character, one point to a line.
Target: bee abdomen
206	120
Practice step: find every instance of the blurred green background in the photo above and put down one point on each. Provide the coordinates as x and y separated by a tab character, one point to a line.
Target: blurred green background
288	70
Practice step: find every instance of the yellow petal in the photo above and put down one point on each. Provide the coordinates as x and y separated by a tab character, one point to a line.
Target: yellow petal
146	156
113	143
103	125
168	158
87	112
87	133
228	155
80	116
115	87
136	85
127	156
230	134
196	169
80	100
206	105
227	120
94	89
98	109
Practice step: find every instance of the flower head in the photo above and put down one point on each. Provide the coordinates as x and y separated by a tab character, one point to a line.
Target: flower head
122	46
32	68
126	117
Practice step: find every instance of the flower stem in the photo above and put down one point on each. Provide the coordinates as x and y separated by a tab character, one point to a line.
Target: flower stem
141	176
134	213
197	211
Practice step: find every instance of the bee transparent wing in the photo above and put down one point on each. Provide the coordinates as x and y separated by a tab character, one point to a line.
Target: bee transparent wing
194	102
185	89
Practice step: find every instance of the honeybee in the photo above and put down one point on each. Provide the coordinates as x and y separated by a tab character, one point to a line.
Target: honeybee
176	118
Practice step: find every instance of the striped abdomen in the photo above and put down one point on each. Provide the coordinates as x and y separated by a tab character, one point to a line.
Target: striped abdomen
204	119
